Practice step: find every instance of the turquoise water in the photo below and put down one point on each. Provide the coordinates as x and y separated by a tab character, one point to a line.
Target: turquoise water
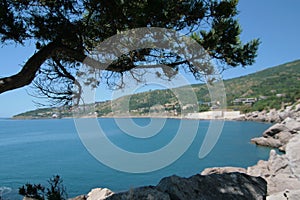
34	150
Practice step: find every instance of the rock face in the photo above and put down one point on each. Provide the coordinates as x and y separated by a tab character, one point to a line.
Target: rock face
95	194
147	193
282	172
222	170
287	125
273	116
229	186
278	135
277	171
286	195
99	194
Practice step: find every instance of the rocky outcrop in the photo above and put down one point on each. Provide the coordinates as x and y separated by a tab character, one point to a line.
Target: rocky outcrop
80	197
286	195
282	172
277	171
273	116
99	194
229	186
222	170
148	192
263	116
278	135
95	194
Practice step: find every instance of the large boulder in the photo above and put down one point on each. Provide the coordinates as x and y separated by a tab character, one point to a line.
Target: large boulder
99	194
270	142
281	171
273	130
293	155
292	124
147	193
215	186
80	197
222	170
278	135
229	186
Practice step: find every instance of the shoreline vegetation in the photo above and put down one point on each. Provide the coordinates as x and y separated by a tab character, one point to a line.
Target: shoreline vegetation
274	88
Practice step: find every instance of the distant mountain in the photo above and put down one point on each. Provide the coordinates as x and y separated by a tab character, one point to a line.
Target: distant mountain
274	87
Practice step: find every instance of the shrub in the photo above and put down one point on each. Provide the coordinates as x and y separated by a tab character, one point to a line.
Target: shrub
55	191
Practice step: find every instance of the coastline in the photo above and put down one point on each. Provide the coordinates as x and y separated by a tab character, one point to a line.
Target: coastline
279	175
209	115
276	171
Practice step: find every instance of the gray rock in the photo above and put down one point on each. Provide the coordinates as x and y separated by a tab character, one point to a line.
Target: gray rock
215	186
285	195
278	171
292	124
231	186
273	116
293	155
297	108
80	197
241	118
142	193
278	135
99	194
270	142
222	170
284	114
282	148
273	130
284	137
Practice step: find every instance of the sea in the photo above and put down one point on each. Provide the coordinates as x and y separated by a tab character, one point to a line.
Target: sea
32	151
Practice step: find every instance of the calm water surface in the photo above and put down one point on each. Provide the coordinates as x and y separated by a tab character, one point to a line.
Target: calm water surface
34	150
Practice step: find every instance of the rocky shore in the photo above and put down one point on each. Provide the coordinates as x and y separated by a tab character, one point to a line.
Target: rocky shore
282	172
273	115
229	186
278	135
275	179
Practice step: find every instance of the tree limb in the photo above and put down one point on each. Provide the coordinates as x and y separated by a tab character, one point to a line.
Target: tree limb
31	67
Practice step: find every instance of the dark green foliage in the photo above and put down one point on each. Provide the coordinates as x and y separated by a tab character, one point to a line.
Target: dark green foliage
32	191
55	191
149	99
66	31
104	111
269	83
203	108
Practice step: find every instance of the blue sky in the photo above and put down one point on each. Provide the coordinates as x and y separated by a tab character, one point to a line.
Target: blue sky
276	23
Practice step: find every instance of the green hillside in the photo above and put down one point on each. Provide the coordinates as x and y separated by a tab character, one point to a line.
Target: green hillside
271	88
